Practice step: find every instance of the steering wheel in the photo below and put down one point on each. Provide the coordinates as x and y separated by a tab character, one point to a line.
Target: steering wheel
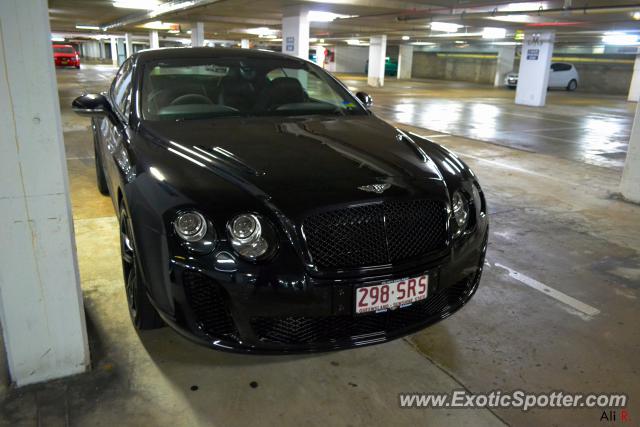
191	98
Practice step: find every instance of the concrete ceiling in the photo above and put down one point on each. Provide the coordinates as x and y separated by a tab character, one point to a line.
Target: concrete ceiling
580	21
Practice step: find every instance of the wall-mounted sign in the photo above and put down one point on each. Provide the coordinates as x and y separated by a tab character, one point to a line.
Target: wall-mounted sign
533	54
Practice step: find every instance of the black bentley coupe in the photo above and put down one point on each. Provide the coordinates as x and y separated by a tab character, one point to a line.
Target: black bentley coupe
265	209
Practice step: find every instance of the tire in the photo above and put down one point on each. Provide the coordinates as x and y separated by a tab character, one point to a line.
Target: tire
512	87
101	180
77	67
573	85
143	315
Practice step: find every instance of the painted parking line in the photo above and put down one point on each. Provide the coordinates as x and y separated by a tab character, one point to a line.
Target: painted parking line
573	306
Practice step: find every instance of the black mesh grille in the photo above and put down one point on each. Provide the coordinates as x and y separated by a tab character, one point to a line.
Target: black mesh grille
315	330
375	234
210	304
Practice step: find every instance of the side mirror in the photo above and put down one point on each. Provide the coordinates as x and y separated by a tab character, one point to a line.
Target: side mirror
365	99
91	105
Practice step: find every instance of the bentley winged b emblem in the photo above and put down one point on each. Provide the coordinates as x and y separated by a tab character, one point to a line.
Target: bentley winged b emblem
375	188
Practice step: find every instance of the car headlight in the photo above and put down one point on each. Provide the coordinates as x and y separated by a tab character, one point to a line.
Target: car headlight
190	226
460	212
246	233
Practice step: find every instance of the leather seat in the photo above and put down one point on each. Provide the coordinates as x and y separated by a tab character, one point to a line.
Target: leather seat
280	91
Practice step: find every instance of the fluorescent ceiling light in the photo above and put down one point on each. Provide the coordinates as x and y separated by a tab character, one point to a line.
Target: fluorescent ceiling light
405	38
422	43
521	19
87	27
57	39
260	31
447	27
456	35
506	43
322	16
356	42
526	6
136	4
636	16
159	25
620	39
460	42
494	33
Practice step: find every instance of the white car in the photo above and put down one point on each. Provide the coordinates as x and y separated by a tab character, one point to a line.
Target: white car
562	75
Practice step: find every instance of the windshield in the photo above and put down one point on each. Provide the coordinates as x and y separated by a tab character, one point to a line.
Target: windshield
237	86
64	49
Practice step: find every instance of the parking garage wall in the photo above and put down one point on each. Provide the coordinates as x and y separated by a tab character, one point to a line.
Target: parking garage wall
606	74
477	68
351	59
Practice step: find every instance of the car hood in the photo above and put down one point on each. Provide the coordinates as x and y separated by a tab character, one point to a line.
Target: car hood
306	162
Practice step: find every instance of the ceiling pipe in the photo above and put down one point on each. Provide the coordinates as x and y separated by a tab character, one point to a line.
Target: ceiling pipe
432	14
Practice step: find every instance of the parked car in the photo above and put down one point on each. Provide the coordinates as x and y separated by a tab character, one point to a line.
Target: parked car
65	55
263	208
390	67
562	75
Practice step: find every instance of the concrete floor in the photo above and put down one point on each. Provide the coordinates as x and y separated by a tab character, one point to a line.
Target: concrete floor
554	218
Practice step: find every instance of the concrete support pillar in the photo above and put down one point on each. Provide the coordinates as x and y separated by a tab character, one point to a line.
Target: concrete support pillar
295	32
377	57
504	64
634	89
41	308
122	54
197	34
535	64
114	51
245	44
102	50
630	185
154	41
405	61
128	44
320	56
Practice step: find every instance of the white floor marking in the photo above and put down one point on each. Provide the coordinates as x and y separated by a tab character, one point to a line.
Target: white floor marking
585	311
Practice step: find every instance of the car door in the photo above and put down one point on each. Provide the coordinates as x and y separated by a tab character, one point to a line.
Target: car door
113	133
560	75
554	75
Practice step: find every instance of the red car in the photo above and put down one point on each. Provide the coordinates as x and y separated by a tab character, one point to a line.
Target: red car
65	55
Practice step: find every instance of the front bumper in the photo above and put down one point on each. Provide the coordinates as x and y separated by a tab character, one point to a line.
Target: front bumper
235	312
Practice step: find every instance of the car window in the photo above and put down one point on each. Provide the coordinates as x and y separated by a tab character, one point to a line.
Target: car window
560	67
64	49
240	86
121	89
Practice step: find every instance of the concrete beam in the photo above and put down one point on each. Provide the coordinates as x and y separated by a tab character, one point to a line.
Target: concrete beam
41	308
154	41
630	185
634	88
377	59
128	44
114	51
197	34
405	61
295	32
535	65
506	56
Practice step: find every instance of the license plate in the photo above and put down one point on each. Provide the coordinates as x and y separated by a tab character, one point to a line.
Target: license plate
391	295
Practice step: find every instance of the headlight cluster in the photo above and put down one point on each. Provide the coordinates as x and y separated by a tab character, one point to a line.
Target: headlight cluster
246	234
460	208
251	237
190	226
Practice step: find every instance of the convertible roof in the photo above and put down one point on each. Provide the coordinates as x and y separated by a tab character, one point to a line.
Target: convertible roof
208	52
